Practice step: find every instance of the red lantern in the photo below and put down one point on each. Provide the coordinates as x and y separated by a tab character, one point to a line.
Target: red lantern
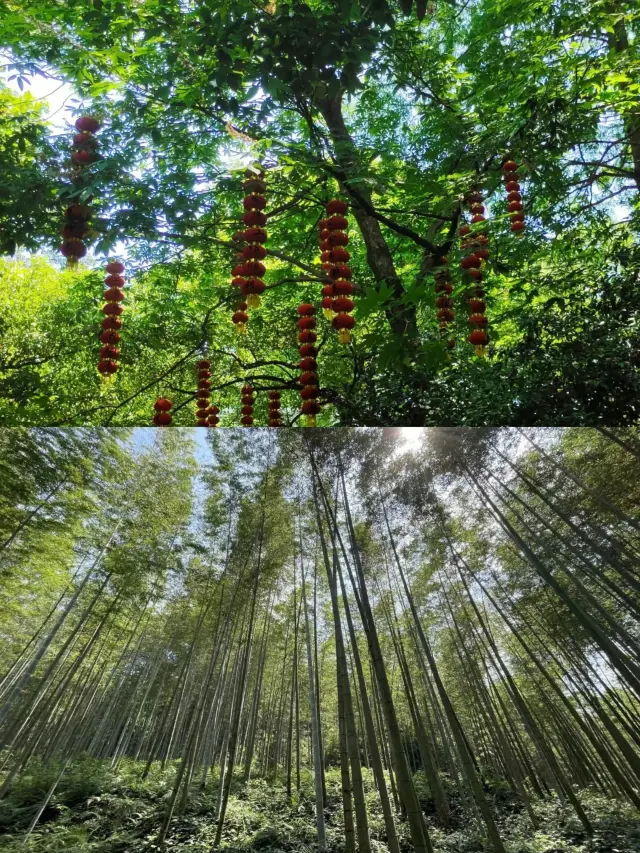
109	337
113	294
255	235
308	350
338	238
162	416
273	408
343	287
115	268
107	367
83	157
84	140
337	223
254	185
514	199
254	268
162	419
254	252
309	392
240	319
111	323
247	405
310	408
306	323
479	338
254	202
343	304
73	250
87	124
479	320
443	285
254	217
340	271
337	206
343	322
339	254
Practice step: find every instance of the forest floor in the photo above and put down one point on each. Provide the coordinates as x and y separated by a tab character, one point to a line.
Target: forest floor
98	809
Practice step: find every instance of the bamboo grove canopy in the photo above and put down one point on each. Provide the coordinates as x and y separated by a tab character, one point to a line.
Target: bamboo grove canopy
451	627
405	117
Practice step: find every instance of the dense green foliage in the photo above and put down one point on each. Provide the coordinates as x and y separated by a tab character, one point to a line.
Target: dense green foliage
403	118
219	638
31	178
104	811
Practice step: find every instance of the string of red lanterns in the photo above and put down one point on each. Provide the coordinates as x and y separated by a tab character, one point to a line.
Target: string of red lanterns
248	273
474	242
162	416
514	198
248	401
112	322
335	244
325	254
308	365
444	302
77	215
203	392
273	407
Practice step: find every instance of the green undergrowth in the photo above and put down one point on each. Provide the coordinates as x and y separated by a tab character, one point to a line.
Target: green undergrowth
98	808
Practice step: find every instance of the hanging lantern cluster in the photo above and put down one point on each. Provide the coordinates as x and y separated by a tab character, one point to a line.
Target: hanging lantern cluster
514	198
327	266
247	275
474	243
336	297
84	153
248	401
308	365
162	416
275	417
112	323
203	392
444	302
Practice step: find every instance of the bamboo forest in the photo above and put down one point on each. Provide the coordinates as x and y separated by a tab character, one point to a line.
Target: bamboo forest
381	212
402	639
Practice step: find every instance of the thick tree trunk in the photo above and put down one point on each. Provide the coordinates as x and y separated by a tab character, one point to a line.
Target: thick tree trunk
400	316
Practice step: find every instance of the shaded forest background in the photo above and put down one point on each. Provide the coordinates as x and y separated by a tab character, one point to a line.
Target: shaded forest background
263	639
401	117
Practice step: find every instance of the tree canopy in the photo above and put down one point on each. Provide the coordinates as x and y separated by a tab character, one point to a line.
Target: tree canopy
423	647
402	118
